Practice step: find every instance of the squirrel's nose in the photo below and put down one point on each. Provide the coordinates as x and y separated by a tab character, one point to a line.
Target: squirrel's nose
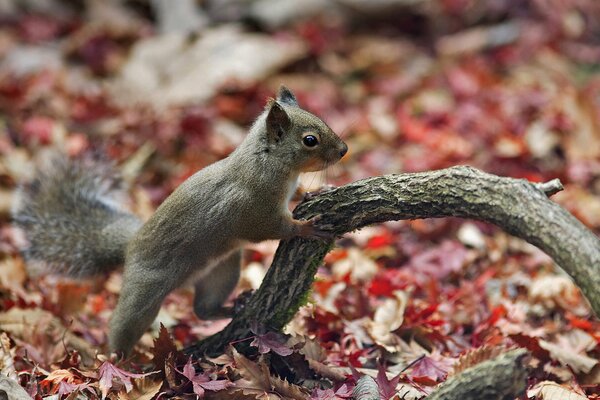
344	150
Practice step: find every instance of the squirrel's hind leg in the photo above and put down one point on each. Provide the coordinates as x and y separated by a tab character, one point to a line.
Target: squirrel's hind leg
212	290
139	303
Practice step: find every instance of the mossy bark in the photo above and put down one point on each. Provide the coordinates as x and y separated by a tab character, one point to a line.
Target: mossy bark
515	205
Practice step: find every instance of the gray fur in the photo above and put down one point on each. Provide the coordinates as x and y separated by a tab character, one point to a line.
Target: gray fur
71	218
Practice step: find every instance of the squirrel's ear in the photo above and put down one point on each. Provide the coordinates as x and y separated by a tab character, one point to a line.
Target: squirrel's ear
286	96
278	122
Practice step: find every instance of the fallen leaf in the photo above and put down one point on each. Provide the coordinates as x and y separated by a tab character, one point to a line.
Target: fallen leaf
388	317
271	341
566	356
360	267
109	374
548	390
202	382
554	290
476	356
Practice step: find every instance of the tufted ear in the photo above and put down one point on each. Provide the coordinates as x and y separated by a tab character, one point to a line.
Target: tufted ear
286	97
278	122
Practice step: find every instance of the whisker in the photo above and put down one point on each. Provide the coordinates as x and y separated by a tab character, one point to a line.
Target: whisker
347	129
310	185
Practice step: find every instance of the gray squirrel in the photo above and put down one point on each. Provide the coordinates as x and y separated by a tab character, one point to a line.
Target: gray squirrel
74	222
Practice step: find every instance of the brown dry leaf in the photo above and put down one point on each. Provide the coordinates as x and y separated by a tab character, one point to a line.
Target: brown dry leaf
583	204
388	317
6	357
19	322
6	199
474	357
13	274
592	378
60	375
288	390
143	389
257	380
582	142
566	355
256	376
72	296
312	349
554	290
548	390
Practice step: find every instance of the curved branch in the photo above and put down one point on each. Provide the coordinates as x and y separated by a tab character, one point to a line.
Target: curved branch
517	206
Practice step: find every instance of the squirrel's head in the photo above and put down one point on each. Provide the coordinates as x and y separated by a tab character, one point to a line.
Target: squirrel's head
299	137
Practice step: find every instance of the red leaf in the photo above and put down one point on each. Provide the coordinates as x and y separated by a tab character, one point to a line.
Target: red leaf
202	382
343	392
38	129
580	323
427	370
381	286
532	344
387	387
109	372
382	240
271	341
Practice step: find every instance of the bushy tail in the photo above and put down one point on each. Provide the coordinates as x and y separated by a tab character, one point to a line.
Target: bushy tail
72	218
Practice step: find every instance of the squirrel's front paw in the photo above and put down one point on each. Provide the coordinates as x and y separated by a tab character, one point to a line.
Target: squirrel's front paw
308	228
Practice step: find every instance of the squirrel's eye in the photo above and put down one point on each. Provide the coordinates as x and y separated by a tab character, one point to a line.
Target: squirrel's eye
310	141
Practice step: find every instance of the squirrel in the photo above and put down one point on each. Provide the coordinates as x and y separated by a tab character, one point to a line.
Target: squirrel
74	222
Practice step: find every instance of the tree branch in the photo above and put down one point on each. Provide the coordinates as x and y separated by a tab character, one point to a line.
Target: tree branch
515	205
503	377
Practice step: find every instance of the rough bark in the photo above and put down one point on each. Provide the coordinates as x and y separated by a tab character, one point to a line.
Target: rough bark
517	206
503	377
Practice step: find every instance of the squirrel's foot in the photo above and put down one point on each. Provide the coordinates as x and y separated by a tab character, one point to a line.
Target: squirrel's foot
308	228
322	189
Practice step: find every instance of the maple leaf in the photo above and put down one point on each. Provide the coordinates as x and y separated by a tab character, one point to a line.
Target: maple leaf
68	388
63	381
143	389
255	375
387	387
109	372
271	341
202	382
163	346
343	392
323	394
427	370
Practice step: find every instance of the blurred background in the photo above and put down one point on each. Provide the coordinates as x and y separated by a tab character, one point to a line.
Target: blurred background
509	86
165	87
